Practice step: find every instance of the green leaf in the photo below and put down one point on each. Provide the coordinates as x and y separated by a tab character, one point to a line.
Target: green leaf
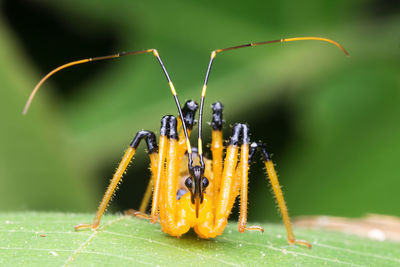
48	239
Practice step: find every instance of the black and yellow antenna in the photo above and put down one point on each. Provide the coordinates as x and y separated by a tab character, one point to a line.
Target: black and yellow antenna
214	53
82	61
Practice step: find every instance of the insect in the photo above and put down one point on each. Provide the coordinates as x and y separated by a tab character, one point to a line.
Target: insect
187	189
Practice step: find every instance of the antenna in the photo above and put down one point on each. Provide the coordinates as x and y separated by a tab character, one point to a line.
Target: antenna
82	61
214	53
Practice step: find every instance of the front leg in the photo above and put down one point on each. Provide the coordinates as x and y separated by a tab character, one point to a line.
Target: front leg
229	189
217	148
176	217
214	225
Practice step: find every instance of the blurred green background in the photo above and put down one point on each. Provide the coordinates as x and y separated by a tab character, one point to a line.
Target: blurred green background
331	122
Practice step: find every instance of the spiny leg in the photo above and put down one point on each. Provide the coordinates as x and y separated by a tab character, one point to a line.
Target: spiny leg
169	183
229	189
216	222
226	197
241	136
217	148
163	142
126	159
149	190
173	221
147	195
269	165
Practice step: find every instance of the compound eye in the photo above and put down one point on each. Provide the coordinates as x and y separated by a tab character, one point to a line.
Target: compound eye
205	183
189	183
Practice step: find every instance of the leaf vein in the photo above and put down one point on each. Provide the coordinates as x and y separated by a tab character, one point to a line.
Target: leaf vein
91	237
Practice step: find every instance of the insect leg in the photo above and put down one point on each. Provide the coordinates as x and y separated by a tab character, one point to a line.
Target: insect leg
149	190
269	165
217	148
160	169
242	174
173	221
147	195
229	189
126	159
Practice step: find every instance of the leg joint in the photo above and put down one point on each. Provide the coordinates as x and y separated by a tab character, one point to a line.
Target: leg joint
240	134
261	147
217	120
168	127
189	112
150	138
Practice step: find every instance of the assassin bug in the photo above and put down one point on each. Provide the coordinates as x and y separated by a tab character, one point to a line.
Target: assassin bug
188	190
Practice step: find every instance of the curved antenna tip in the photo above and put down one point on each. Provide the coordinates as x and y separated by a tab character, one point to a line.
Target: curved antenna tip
76	62
343	49
26	107
31	96
25	110
319	39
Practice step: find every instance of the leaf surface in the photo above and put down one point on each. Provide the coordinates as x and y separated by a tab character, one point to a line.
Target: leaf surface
48	239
